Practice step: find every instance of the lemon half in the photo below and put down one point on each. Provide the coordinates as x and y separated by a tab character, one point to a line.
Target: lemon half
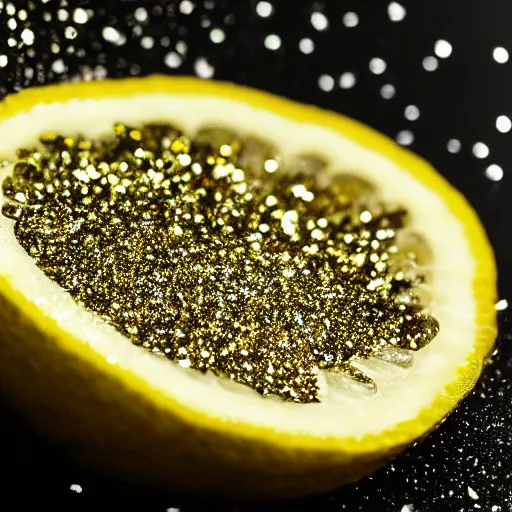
127	411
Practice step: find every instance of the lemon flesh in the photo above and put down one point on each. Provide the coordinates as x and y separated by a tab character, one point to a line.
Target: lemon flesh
128	411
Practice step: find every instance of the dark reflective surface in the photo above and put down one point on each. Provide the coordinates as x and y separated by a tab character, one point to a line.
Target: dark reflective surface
467	463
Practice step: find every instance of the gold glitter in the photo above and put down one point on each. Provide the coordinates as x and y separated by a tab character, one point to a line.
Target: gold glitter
208	254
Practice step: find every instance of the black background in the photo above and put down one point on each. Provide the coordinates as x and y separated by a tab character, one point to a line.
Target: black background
460	100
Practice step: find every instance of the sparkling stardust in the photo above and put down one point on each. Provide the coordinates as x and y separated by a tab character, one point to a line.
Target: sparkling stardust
207	252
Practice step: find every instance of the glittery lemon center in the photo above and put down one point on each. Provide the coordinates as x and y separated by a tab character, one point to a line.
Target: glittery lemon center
214	253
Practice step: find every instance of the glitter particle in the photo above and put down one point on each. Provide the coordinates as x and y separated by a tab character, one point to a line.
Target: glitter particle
472	493
412	113
405	137
319	21
347	80
430	63
272	42
443	49
503	124
350	19
501	305
454	145
396	11
480	150
326	82
387	91
377	65
494	172
500	55
264	9
306	46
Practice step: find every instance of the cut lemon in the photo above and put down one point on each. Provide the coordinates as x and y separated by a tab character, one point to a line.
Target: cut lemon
125	410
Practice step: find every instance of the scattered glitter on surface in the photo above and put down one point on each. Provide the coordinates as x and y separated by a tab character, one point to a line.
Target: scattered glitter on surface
500	55
430	63
258	275
396	11
377	65
501	305
412	113
347	80
481	150
443	49
405	137
494	172
454	146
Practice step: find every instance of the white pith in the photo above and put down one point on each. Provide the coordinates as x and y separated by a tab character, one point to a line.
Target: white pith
401	395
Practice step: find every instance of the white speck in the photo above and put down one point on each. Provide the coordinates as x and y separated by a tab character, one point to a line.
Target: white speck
29	73
443	49
28	36
184	363
412	112
396	12
407	508
378	65
100	72
501	305
495	173
186	7
264	9
405	138
326	82
62	15
319	21
271	166
76	488
217	35
500	55
503	124
147	42
173	60
113	36
80	16
203	69
181	47
387	91
480	150
112	360
141	14
58	66
350	19
430	63
495	508
472	493
454	145
366	217
3	61
173	509
272	42
306	45
347	80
